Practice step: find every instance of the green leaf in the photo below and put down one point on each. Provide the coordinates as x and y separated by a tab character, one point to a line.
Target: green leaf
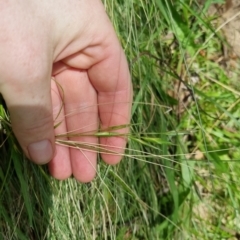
17	158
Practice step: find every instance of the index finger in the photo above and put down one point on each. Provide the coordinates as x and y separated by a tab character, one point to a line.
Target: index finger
111	78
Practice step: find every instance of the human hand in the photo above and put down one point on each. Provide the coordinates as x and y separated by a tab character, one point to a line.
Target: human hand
75	42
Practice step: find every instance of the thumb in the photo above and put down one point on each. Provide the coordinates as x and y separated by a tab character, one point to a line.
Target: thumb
30	107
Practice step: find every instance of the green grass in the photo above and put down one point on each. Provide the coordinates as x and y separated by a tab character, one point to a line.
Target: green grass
179	176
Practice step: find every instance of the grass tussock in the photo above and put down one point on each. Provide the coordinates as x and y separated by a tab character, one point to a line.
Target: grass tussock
179	175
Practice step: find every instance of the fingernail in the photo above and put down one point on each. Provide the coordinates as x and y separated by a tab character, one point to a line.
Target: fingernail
41	152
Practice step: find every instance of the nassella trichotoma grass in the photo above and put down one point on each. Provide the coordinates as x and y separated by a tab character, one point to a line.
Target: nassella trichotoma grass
148	145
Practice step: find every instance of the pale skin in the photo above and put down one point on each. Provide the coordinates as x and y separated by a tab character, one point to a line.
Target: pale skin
74	41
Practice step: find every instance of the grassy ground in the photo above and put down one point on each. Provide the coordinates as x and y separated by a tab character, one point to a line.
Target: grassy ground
179	176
